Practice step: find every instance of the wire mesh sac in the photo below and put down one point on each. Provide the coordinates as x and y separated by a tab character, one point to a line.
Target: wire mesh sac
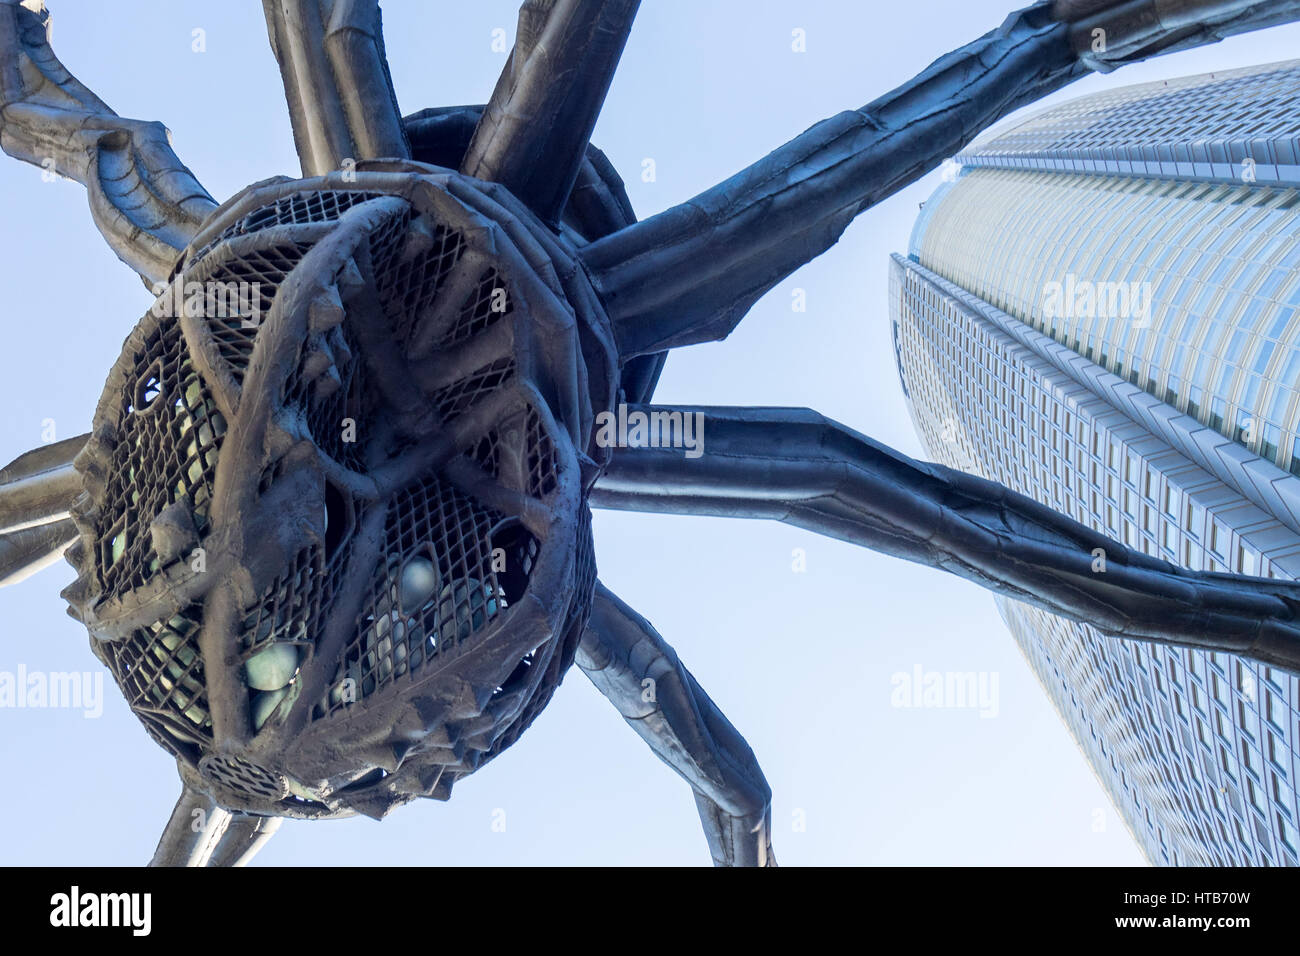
328	578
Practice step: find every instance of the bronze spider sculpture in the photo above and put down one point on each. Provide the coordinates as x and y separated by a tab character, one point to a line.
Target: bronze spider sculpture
332	535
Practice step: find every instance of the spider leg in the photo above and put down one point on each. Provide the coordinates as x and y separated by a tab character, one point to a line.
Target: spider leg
192	832
200	833
689	274
24	552
336	82
244	837
142	198
638	671
37	489
532	136
795	466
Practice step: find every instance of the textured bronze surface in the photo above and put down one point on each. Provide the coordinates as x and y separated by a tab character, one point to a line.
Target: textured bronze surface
331	524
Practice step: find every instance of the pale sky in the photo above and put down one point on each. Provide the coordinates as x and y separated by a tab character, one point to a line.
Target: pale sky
800	662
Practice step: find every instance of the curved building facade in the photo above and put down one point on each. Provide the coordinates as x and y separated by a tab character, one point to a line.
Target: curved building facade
1102	311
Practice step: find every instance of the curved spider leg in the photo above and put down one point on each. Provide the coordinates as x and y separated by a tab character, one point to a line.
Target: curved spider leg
38	486
142	198
200	833
690	273
37	491
336	81
638	671
795	466
541	116
244	837
532	136
24	552
192	832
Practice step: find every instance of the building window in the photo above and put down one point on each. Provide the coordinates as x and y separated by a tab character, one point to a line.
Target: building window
1218	540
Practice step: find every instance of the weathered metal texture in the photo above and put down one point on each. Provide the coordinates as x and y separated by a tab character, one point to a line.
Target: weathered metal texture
245	835
796	466
192	831
1106	34
598	206
690	273
639	672
142	198
24	552
533	135
38	486
424	585
341	101
200	833
317	621
36	490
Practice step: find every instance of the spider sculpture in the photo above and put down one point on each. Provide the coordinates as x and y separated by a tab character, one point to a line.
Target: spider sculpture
332	535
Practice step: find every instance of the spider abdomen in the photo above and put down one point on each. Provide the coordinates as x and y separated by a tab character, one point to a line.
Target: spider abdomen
335	546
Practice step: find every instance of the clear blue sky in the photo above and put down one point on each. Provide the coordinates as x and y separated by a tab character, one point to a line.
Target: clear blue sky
801	662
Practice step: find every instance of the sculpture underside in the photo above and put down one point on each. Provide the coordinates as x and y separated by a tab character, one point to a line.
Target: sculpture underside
385	451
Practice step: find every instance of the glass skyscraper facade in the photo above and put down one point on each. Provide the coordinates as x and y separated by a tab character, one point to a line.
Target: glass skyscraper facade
1101	310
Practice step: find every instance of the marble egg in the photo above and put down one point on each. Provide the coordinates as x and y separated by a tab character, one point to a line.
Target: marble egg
264	704
271	668
419	583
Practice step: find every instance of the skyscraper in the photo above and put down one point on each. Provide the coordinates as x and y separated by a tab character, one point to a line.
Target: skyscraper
1100	307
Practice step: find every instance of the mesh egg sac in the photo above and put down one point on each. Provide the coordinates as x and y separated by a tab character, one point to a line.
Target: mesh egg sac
334	545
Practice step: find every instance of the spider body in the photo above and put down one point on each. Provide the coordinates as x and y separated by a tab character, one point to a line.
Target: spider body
331	524
335	547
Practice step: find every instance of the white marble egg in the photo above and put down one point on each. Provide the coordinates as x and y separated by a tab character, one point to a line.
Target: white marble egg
419	582
272	668
264	704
